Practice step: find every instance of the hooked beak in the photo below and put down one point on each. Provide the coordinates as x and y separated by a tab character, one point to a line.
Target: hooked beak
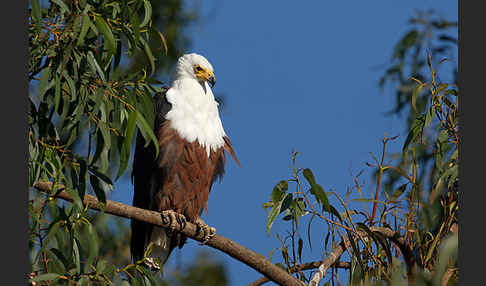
212	80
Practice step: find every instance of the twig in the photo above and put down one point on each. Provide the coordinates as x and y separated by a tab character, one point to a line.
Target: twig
302	267
447	276
233	249
378	183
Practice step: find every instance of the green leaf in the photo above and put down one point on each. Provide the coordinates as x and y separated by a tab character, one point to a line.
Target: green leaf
45	277
105	132
107	34
36	14
309	176
61	257
415	94
287	201
97	173
415	130
148	53
101	266
57	94
385	245
134	21
118	56
95	66
355	248
148	13
451	91
148	275
44	81
405	43
89	245
84	29
299	210
76	198
334	211
82	178
368	231
272	215
62	5
147	131
279	190
76	256
398	192
452	173
127	143
70	82
98	189
429	116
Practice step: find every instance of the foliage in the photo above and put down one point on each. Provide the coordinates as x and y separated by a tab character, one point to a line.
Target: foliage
425	216
429	35
91	75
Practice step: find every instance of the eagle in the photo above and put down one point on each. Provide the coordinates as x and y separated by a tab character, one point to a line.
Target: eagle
192	145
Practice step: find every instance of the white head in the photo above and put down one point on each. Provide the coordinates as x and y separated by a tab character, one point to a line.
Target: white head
195	66
194	113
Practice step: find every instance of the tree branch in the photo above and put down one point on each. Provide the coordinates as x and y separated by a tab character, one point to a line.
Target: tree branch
302	267
330	260
233	249
401	242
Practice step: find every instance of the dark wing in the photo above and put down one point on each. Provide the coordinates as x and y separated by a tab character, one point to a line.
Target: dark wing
144	164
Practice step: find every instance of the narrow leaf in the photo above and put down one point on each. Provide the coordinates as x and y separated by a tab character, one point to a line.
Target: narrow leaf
415	94
278	191
149	54
127	143
98	189
309	176
148	13
148	131
95	66
36	14
107	34
46	277
272	215
84	29
62	5
103	177
44	81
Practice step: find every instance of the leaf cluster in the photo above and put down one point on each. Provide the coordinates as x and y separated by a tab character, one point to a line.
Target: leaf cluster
423	248
84	111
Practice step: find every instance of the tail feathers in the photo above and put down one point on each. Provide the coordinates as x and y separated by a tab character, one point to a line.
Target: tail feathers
163	242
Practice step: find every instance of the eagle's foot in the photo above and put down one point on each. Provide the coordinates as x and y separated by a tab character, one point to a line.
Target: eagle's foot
152	264
174	219
208	231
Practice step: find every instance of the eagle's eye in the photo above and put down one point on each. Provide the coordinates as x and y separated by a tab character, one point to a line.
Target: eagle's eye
198	68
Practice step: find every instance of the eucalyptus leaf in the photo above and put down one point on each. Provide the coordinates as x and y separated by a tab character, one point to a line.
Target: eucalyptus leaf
127	143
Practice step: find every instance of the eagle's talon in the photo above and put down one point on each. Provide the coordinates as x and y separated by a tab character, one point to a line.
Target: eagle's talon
173	219
208	231
151	264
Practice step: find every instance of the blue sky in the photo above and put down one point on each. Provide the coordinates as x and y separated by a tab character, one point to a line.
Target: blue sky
295	77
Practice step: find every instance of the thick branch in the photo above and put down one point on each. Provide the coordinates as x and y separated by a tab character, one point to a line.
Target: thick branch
302	267
233	249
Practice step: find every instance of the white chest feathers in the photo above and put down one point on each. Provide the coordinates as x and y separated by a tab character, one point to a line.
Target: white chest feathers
194	114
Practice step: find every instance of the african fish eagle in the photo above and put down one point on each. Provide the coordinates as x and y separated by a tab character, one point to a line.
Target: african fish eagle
192	145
